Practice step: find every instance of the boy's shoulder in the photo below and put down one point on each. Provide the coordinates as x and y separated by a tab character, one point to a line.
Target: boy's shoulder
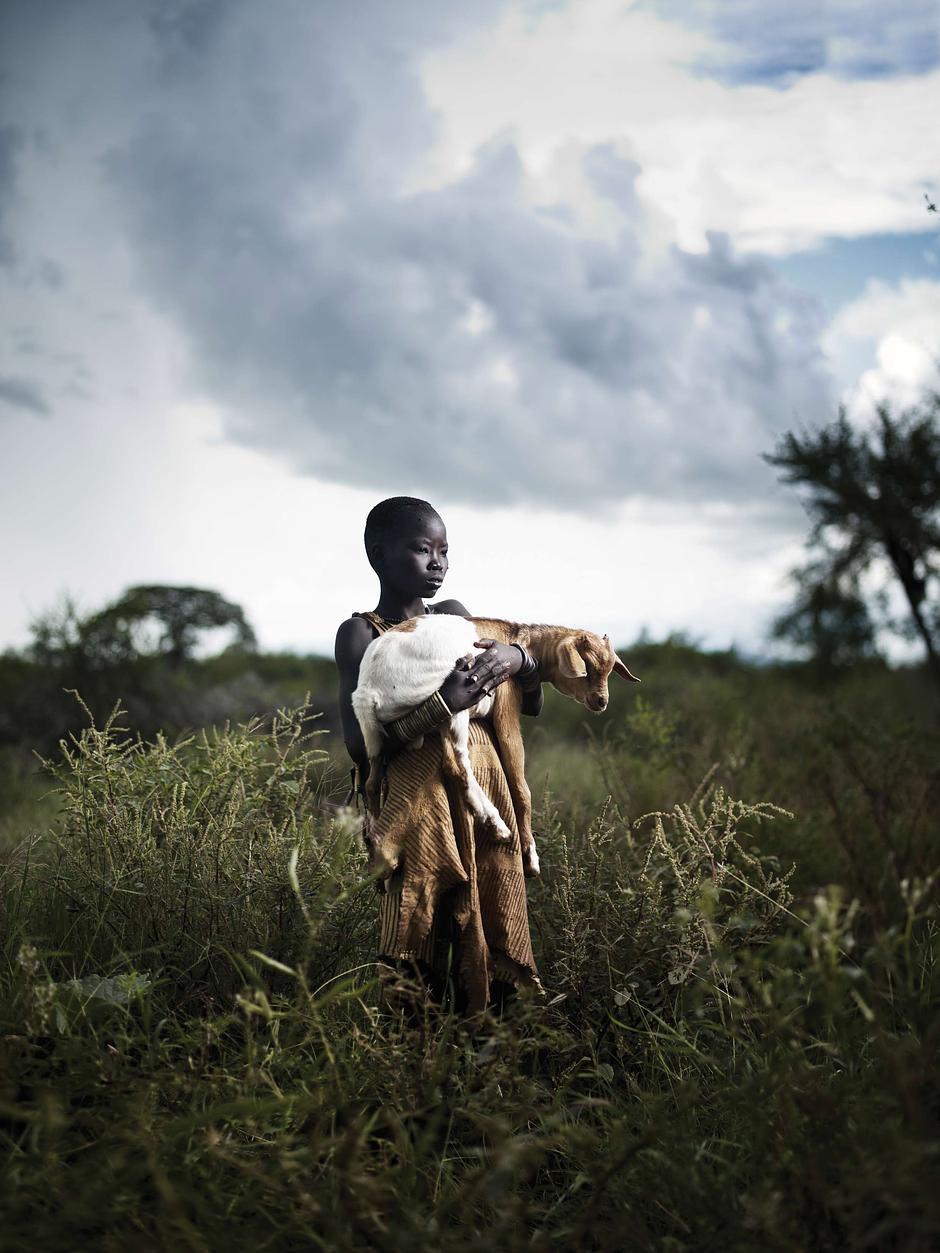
452	607
353	637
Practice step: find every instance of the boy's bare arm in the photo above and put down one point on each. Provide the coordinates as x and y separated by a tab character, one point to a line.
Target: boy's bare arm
532	702
352	639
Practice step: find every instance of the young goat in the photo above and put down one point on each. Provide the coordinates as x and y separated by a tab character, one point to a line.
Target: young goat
402	667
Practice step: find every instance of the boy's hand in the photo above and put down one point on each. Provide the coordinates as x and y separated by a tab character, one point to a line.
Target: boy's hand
471	680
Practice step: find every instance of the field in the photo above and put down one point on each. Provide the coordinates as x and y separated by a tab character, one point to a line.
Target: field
736	926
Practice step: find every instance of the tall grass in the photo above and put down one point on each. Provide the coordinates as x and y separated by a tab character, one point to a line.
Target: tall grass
194	1053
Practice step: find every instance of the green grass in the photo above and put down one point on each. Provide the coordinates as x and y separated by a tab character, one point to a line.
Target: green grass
737	1049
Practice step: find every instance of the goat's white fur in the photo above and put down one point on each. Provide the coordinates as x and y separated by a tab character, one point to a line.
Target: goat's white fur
399	670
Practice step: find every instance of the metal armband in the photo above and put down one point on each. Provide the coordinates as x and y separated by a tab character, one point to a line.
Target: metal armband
425	717
530	675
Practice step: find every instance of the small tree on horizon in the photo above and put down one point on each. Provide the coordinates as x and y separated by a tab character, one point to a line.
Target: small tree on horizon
870	494
180	615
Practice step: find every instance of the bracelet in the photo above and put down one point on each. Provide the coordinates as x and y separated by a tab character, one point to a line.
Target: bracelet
424	717
530	674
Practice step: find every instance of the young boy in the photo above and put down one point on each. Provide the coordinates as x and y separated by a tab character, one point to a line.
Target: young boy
448	889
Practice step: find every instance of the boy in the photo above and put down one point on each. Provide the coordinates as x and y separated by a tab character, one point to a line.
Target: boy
447	888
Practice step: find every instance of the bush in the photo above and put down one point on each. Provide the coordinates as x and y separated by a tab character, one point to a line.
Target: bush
192	1043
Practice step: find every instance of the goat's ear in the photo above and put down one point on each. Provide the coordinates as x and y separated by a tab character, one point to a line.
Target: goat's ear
621	669
570	662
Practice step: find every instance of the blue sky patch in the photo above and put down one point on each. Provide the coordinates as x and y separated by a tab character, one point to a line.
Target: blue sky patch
839	269
776	42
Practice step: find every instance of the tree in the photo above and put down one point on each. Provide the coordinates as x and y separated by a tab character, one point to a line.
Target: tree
176	615
870	494
134	650
829	619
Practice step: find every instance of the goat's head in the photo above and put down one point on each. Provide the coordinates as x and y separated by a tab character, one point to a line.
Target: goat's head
583	662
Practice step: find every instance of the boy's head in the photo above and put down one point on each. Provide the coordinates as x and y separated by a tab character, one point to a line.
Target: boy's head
406	543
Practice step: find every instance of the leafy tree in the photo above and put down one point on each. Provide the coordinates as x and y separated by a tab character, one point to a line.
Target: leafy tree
139	650
57	635
871	495
178	615
829	619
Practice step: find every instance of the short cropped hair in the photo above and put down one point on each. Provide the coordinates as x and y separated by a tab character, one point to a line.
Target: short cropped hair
390	517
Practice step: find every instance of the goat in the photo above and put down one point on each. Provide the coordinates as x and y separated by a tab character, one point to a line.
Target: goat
403	666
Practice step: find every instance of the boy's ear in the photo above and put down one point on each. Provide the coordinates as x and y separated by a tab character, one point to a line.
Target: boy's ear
570	662
621	669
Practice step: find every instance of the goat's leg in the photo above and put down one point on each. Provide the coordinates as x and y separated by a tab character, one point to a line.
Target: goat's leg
365	704
505	717
456	739
385	853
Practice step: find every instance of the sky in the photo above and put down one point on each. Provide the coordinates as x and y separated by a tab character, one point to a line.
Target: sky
564	269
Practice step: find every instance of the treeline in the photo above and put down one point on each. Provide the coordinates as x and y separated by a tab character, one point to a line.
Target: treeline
146	651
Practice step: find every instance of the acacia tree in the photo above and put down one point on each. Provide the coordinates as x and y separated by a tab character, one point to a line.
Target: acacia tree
134	650
871	495
178	614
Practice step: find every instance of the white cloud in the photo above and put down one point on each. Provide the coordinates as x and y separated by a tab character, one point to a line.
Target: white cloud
777	170
898	327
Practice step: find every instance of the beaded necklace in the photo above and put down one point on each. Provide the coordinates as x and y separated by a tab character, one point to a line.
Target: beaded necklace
390	622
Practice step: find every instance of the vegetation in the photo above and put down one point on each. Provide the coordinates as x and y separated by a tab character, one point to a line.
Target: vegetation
737	1047
143	649
874	498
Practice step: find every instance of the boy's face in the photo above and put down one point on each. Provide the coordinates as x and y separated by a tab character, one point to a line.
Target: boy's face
413	561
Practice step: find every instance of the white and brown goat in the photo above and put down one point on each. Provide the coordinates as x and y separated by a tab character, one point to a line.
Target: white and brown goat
402	667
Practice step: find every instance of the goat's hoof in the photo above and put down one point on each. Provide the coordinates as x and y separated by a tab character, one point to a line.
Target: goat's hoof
530	864
497	829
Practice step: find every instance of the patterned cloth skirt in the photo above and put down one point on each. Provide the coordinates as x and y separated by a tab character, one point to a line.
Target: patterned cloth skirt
456	905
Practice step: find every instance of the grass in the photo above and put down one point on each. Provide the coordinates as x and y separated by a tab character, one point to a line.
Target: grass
737	1049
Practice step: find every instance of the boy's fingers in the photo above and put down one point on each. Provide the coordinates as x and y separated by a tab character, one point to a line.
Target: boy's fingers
495	670
483	665
483	643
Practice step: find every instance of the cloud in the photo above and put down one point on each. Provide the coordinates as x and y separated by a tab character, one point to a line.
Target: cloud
469	335
778	41
779	171
10	142
22	394
503	335
897	326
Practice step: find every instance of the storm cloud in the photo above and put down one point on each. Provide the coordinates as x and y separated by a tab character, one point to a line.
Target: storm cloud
10	142
22	394
367	325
